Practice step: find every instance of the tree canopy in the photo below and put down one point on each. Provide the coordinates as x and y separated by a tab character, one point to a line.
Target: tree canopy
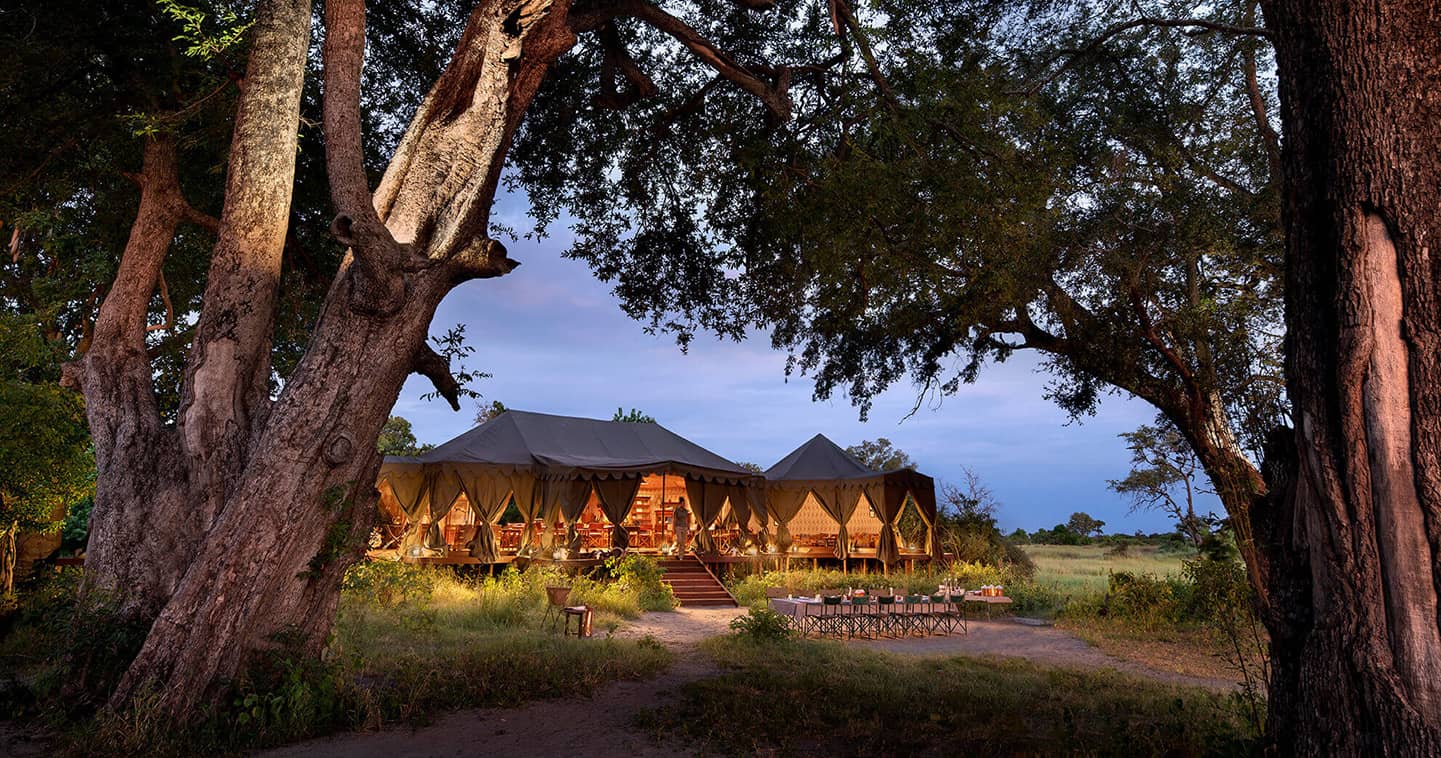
1165	475
880	455
397	438
635	416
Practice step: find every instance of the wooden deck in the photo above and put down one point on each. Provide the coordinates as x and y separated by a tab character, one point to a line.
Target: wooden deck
864	561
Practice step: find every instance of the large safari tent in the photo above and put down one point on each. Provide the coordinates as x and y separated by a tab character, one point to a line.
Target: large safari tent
557	488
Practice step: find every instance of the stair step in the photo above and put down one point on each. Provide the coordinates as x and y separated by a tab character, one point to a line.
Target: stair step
695	586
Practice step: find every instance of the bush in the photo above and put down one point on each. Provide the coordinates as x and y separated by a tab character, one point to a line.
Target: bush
1145	600
82	648
389	583
762	625
642	575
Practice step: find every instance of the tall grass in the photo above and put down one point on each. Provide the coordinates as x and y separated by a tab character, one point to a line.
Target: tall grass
1078	571
409	644
808	697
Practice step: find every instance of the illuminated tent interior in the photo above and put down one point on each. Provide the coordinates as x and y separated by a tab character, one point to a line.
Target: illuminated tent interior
824	503
533	484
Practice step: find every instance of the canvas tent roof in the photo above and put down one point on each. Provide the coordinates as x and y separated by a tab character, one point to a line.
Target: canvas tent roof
819	459
564	446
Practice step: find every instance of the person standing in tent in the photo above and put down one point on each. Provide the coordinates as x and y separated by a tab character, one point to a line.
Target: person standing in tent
682	526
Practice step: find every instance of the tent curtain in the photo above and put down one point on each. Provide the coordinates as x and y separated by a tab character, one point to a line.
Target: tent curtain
784	505
699	519
755	497
923	492
408	484
568	497
711	505
741	510
444	490
488	493
888	499
522	486
616	497
839	505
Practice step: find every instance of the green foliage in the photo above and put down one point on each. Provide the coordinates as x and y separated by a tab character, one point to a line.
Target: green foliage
76	530
397	438
200	40
762	625
853	701
389	584
966	527
881	455
750	590
484	413
73	649
1084	525
453	348
410	643
46	464
1165	475
1133	175
1060	534
634	417
641	575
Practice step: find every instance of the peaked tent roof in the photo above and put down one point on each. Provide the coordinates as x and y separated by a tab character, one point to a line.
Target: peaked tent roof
819	459
554	444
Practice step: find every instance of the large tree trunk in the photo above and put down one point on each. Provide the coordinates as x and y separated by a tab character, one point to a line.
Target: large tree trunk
1356	540
301	500
141	532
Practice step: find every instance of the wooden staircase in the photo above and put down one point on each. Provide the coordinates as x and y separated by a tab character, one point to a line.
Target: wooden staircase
694	585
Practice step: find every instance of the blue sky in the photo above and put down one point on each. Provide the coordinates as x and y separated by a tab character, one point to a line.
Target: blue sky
556	341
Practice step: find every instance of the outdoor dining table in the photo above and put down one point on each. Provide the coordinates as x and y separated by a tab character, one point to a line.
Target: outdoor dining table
813	614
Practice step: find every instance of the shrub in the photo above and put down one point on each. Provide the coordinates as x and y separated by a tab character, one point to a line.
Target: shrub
83	647
1142	599
762	625
641	575
389	583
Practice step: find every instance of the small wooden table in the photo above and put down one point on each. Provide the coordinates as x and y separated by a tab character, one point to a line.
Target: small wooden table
582	615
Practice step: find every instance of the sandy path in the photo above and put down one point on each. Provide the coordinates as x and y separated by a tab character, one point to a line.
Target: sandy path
1045	645
602	725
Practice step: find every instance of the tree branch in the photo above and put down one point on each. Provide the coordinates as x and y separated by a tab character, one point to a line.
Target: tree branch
431	365
169	308
776	97
1268	136
618	58
378	284
1196	25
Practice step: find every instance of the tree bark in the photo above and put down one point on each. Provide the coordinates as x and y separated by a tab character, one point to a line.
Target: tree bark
141	531
1355	542
226	392
7	558
298	511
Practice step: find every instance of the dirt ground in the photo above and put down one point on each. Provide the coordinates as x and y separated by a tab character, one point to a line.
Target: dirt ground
601	726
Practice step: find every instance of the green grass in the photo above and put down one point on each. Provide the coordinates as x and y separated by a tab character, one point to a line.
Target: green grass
805	697
1083	570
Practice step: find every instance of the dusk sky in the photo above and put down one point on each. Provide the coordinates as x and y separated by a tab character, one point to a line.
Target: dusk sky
556	341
